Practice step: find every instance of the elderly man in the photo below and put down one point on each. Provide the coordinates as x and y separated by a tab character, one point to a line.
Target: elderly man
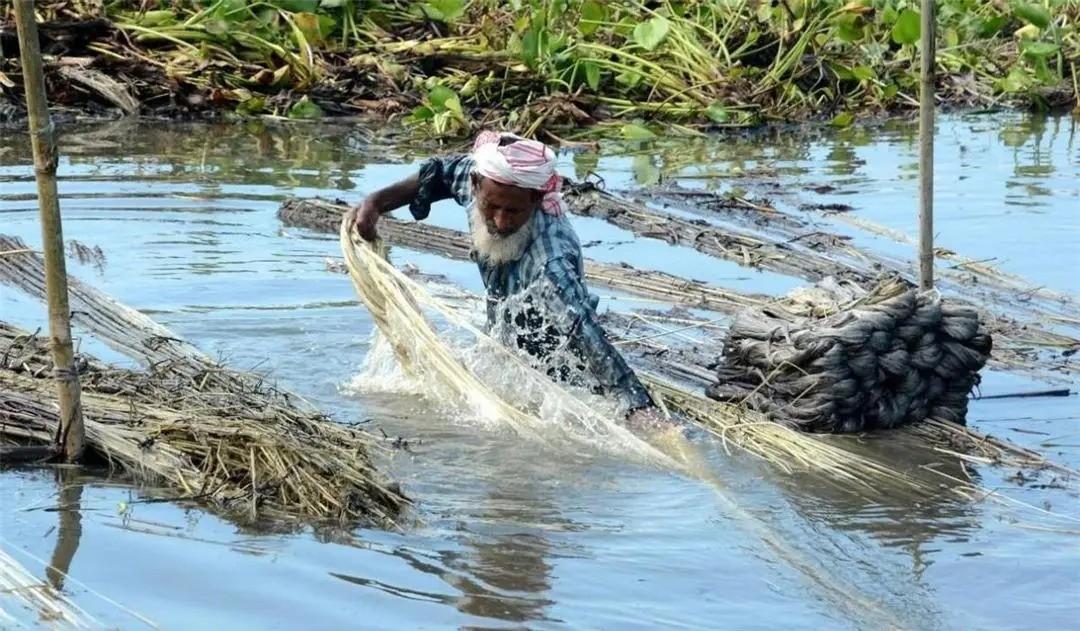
529	258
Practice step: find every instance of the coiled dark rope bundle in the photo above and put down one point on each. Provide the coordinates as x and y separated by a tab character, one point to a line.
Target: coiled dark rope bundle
882	364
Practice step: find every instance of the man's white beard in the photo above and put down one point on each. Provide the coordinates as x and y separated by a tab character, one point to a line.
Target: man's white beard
499	249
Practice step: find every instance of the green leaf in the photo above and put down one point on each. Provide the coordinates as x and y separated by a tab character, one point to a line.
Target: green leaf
952	38
1040	50
470	86
448	11
327	25
1043	72
305	109
296	6
592	14
439	95
907	28
717	113
422	113
651	33
843	119
992	26
453	105
628	78
592	75
843	73
530	48
1032	14
625	26
552	44
216	27
163	17
1018	80
633	131
863	73
252	106
849	31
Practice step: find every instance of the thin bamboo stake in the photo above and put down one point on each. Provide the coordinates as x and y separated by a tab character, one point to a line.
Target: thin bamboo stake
926	149
71	436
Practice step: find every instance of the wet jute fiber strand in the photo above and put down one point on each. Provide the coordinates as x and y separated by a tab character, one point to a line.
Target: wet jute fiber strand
396	305
899	357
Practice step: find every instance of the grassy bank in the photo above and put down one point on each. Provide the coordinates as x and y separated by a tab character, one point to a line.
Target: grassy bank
450	66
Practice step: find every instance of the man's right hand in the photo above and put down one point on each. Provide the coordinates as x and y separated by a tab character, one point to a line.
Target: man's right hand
365	217
649	419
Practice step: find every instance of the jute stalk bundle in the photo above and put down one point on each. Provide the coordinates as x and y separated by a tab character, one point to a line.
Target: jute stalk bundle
900	357
250	452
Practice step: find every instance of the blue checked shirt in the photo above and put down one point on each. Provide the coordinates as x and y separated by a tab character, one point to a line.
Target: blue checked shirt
539	299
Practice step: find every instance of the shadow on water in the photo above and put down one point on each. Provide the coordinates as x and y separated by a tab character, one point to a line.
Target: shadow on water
500	572
891	514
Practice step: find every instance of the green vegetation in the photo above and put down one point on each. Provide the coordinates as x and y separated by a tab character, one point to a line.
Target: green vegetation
453	65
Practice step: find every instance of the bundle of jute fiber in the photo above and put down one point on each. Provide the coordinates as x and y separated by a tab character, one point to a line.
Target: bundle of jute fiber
891	358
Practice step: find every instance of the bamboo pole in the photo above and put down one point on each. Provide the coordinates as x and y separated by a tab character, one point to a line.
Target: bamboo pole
926	148
70	438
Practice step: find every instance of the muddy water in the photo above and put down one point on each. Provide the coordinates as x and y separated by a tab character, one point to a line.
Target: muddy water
509	534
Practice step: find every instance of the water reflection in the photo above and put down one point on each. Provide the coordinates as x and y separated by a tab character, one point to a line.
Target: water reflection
213	155
512	560
500	572
1039	147
912	521
69	530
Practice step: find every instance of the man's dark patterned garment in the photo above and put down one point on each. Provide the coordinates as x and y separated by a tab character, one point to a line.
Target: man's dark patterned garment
543	293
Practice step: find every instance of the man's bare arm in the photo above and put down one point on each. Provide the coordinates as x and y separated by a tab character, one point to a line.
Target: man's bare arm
366	214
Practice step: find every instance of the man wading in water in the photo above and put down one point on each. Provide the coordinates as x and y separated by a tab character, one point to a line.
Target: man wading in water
529	258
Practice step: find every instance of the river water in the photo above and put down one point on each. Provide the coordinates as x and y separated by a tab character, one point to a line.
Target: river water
508	534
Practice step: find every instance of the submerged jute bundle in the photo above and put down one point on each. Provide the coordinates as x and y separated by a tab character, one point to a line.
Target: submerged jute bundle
897	356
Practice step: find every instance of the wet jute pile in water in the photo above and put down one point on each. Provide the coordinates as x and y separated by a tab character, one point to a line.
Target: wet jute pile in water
225	438
896	356
248	451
